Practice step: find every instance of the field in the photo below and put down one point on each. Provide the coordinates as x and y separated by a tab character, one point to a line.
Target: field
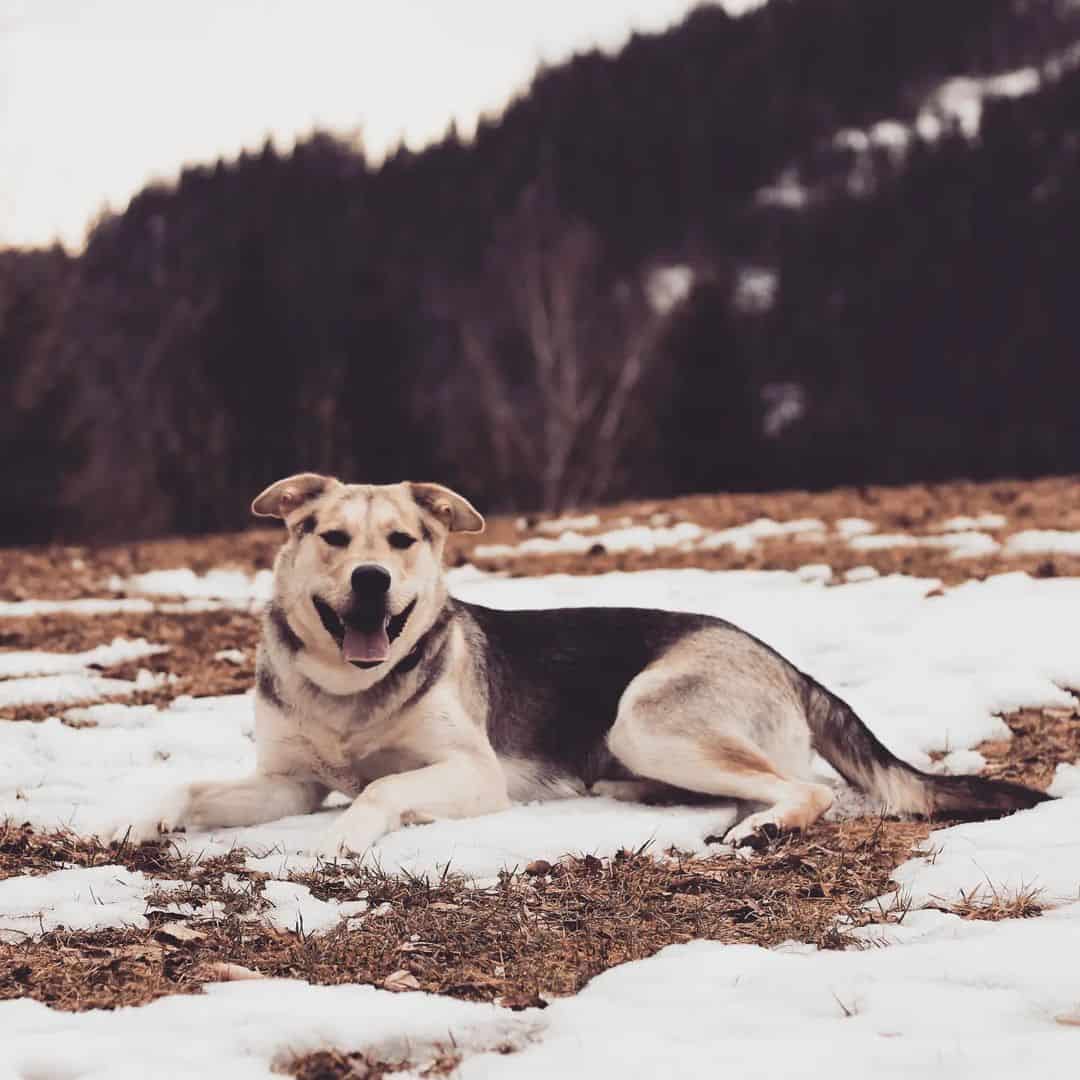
520	944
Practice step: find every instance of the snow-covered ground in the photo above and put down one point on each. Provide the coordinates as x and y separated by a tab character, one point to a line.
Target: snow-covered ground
961	537
946	998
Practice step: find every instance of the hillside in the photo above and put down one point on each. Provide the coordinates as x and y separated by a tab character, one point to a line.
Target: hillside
843	311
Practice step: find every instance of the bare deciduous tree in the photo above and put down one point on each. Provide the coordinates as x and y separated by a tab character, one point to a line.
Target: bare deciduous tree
559	354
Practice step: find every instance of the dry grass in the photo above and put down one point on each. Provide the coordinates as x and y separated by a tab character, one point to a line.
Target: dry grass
991	904
335	1065
535	936
1042	739
60	572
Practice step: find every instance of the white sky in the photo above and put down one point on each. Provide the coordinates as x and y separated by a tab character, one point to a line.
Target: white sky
99	96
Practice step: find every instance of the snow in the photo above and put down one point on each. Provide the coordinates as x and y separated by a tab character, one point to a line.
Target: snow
293	908
78	898
120	651
746	537
854	526
69	689
557	526
948	998
861	573
960	545
1043	542
231	656
1039	850
631	538
967	524
232	585
668	286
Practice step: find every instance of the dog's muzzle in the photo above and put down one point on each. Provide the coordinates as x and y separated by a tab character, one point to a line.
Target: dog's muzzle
366	630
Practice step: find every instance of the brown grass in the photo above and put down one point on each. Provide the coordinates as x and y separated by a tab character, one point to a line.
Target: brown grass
1042	739
533	937
60	572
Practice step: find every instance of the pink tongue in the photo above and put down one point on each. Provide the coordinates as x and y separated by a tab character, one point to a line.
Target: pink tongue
366	645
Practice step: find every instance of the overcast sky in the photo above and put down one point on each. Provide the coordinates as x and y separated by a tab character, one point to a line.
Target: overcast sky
99	96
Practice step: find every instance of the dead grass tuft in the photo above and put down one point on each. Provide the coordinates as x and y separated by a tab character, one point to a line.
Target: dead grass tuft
990	904
336	1065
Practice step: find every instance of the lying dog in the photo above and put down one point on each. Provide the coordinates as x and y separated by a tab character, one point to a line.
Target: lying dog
374	682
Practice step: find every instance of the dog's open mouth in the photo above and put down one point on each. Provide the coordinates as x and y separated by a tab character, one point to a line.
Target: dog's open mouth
364	638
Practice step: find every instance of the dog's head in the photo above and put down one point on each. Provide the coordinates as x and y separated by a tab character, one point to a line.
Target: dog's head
360	574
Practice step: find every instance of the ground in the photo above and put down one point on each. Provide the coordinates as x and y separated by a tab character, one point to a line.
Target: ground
956	639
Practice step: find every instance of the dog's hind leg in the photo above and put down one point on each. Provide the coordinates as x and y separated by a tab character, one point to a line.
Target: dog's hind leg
667	730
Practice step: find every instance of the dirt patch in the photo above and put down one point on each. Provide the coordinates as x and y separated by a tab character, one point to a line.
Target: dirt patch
537	935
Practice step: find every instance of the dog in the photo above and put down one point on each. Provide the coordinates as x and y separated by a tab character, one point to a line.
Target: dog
372	681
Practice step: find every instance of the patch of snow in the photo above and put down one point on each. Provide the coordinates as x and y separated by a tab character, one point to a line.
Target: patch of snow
78	898
967	524
668	286
1066	780
755	289
746	537
890	134
854	526
1043	542
960	545
230	585
120	651
557	526
293	908
788	192
861	573
631	538
1036	849
961	763
232	656
73	688
26	609
785	404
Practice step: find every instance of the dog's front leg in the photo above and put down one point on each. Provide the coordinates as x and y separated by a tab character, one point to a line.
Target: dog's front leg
222	803
461	786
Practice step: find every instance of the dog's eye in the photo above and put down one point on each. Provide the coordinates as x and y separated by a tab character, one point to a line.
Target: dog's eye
335	538
401	540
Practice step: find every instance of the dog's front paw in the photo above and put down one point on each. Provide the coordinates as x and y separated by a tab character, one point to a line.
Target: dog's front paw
354	833
168	816
757	831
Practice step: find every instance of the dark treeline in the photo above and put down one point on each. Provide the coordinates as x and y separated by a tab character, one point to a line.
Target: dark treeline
695	265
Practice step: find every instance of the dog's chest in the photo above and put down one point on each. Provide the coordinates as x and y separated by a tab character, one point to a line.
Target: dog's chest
344	755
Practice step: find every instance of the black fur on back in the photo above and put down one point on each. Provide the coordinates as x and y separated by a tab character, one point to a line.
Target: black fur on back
554	677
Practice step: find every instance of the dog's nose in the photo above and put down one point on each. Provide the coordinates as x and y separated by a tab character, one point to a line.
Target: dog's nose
370	580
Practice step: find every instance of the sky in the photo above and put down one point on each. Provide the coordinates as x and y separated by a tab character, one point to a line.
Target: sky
97	97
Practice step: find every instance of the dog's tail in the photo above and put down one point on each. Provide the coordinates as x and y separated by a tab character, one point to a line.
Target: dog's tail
851	748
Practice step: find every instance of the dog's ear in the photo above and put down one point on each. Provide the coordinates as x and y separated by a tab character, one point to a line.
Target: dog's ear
281	499
452	509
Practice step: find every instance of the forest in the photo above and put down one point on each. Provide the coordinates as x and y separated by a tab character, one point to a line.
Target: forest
829	242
